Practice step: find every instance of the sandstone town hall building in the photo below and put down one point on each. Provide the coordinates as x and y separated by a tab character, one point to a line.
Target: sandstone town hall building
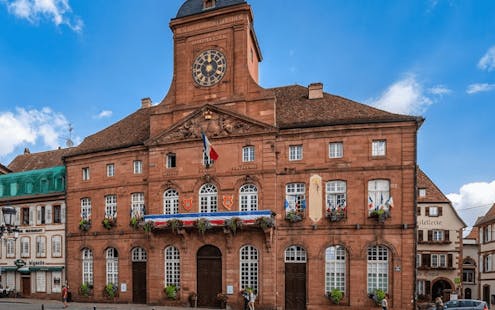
310	191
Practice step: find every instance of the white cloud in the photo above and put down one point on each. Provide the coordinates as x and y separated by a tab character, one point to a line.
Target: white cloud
439	90
487	62
479	87
28	126
57	11
104	113
473	200
405	97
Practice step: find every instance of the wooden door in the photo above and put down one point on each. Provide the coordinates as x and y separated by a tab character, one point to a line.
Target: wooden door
295	286
139	282
26	286
209	276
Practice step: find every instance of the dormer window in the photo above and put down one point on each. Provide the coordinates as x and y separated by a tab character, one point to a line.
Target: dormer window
208	4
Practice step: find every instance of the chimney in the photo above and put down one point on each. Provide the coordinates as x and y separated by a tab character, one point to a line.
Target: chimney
315	91
26	151
146	103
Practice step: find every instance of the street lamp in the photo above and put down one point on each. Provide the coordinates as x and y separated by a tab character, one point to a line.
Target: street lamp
9	215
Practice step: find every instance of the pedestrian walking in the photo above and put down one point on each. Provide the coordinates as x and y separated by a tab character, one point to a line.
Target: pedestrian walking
385	302
65	295
439	303
245	295
252	299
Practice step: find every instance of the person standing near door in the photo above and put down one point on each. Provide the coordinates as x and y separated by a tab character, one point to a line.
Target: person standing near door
65	295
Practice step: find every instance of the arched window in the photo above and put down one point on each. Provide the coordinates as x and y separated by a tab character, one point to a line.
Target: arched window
379	195
139	255
378	265
171	202
172	266
249	267
295	198
335	268
248	197
336	194
295	254
112	257
208	199
87	266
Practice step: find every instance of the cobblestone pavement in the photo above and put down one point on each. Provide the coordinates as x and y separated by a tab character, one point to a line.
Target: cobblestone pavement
37	304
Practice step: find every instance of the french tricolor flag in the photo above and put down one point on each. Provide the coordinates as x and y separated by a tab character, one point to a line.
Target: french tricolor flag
208	149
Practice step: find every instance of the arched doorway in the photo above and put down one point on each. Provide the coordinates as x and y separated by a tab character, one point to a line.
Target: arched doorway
295	278
441	288
209	276
139	259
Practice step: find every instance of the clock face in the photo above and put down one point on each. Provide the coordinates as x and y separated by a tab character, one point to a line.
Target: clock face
209	68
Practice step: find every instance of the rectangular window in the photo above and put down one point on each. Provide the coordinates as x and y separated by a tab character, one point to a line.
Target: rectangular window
41	215
468	275
25	216
40	281
434	260
336	150
422	192
379	196
438	235
138	167
110	170
25	247
56	281
40	246
137	205
57	214
420	287
248	153
111	206
10	248
379	148
85	174
433	211
56	246
295	152
295	198
86	209
171	160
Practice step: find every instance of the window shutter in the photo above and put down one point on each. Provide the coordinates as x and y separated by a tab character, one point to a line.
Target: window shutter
439	211
446	235
38	208
418	211
1	215
62	214
430	235
450	259
32	222
427	287
18	216
427	210
43	247
420	235
48	210
425	260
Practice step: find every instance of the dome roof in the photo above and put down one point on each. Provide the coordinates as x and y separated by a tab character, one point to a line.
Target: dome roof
191	7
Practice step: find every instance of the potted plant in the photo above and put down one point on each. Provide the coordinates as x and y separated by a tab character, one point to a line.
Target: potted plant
171	291
134	222
175	225
233	224
84	224
335	295
109	222
203	225
377	296
293	216
111	290
265	222
85	289
222	298
380	215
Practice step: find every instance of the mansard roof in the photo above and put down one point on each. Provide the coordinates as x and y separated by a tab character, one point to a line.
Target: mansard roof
433	193
34	161
192	7
293	110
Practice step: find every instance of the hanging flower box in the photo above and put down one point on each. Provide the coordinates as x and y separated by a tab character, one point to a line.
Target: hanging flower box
109	222
84	225
175	225
380	215
335	295
233	224
294	216
135	221
203	225
265	222
336	214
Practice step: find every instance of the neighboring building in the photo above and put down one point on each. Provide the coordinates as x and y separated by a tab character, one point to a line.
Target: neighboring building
439	252
3	169
33	261
470	271
486	226
337	178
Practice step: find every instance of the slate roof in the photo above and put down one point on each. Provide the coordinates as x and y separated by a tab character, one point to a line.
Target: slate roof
41	160
192	7
488	217
433	193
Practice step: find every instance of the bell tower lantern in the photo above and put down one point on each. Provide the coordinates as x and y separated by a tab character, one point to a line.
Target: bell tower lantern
216	53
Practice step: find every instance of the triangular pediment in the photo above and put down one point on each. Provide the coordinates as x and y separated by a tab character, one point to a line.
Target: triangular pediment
214	122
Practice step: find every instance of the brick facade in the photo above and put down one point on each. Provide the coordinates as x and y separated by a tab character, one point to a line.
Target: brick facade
236	113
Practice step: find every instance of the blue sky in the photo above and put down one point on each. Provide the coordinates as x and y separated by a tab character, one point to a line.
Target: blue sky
88	63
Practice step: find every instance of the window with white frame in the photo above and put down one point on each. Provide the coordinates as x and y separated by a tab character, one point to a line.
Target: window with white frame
420	287
57	246
112	263
433	211
468	275
438	235
170	202
87	266
295	254
85	173
111	206
86	209
248	153
110	170
138	166
336	192
295	152
438	260
249	267
10	248
378	265
295	197
208	199
40	281
40	246
56	281
378	195
172	266
379	148
25	246
139	255
422	192
137	205
248	197
336	150
171	160
335	268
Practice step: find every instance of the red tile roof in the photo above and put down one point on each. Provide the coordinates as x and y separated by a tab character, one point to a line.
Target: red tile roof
33	161
473	234
433	193
488	217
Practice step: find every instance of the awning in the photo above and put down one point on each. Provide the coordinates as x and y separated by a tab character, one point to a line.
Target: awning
46	268
8	268
24	270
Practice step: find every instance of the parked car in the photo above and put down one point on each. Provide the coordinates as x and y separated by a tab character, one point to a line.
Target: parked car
465	304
